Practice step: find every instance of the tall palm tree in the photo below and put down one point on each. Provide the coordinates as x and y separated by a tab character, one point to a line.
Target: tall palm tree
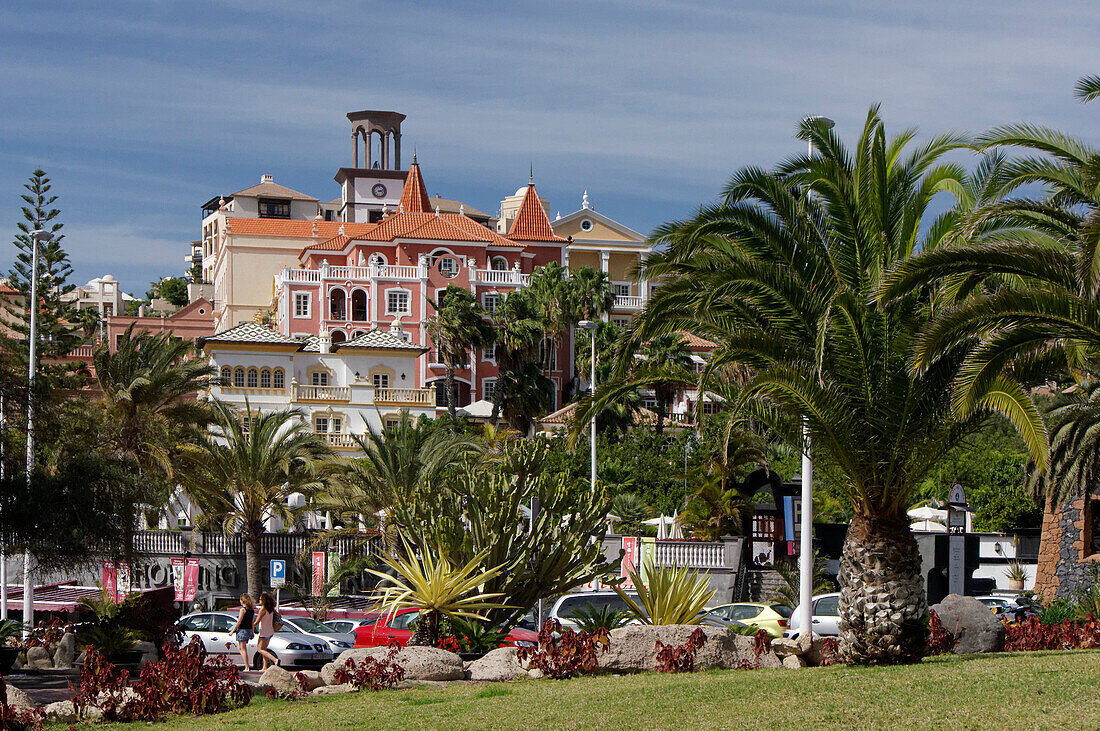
555	299
522	390
782	275
592	295
458	325
247	470
667	365
1073	419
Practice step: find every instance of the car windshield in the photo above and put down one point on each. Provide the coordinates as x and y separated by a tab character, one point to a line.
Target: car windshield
308	624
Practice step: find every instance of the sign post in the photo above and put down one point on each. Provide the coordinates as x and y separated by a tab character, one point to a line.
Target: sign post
278	573
956	546
190	579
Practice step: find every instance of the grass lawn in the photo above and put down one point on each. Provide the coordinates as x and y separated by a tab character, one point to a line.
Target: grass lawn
1024	690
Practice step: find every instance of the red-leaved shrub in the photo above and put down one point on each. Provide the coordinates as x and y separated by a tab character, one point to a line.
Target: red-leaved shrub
940	641
15	719
372	673
1069	634
673	659
830	652
565	653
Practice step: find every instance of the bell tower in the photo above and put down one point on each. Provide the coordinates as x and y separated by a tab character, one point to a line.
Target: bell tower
387	125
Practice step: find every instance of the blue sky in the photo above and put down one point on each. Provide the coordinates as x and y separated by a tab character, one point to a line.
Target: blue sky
142	111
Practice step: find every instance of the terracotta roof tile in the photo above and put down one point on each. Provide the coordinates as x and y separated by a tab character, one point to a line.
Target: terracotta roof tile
565	414
294	228
444	227
414	196
531	223
272	190
694	342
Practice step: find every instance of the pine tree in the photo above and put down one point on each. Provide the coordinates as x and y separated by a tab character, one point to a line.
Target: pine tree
58	333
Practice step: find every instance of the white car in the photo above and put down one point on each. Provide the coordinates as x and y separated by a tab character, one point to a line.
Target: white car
348	626
338	641
565	607
292	648
825	617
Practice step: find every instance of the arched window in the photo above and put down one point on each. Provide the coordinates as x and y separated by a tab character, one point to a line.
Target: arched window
499	263
359	305
238	377
227	374
253	377
278	378
336	305
445	262
338	336
265	378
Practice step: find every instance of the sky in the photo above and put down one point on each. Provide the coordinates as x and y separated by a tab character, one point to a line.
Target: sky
142	111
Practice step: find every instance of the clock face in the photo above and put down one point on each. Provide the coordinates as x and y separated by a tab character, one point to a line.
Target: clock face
379	190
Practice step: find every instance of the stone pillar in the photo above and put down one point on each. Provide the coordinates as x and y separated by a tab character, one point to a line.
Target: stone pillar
397	149
369	157
605	256
355	146
384	153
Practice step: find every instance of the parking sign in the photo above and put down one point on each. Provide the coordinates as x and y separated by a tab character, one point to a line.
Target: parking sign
278	573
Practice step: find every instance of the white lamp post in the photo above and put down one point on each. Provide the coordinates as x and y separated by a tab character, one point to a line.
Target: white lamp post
37	236
591	327
806	525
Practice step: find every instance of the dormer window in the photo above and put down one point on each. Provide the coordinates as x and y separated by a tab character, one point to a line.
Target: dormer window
274	208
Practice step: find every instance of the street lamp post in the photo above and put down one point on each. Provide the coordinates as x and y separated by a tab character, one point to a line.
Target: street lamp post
591	327
806	524
37	236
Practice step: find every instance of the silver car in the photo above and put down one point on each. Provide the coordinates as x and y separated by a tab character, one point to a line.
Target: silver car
348	626
292	648
338	641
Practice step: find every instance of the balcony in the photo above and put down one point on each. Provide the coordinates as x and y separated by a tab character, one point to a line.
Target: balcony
320	394
628	302
405	396
338	440
507	277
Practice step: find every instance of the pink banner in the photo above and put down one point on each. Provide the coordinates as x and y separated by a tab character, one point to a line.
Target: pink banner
177	577
318	572
630	561
110	580
190	579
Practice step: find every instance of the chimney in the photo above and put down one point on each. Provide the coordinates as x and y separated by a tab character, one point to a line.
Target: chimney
267	178
324	341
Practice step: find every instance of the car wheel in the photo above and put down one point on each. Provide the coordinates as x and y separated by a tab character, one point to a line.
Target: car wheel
257	661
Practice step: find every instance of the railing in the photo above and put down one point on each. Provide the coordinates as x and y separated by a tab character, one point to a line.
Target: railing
254	391
418	396
400	271
500	276
628	302
690	554
348	272
81	351
218	544
299	392
339	441
310	276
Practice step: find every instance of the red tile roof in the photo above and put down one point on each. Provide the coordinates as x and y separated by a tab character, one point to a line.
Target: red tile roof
414	196
293	228
444	227
694	342
531	223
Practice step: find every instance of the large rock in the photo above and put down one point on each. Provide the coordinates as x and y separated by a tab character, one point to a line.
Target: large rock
38	658
420	663
817	654
311	678
280	680
61	712
784	647
634	648
19	699
971	624
496	665
334	689
793	662
66	652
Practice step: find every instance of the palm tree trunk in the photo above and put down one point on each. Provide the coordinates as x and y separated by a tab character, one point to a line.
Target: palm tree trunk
427	630
252	559
882	603
497	398
452	395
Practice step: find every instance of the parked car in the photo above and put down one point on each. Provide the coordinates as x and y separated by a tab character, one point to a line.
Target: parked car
772	618
825	616
566	606
337	641
292	648
348	626
399	627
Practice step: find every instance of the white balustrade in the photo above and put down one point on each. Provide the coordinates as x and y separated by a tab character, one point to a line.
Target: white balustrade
418	396
628	302
339	440
689	553
320	393
309	276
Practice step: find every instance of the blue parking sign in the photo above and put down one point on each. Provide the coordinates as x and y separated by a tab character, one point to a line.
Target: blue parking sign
278	573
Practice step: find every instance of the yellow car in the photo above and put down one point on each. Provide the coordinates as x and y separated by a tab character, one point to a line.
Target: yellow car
772	618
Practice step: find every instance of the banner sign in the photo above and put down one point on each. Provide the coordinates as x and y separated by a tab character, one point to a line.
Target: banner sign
333	566
318	572
110	580
177	577
278	573
630	561
190	579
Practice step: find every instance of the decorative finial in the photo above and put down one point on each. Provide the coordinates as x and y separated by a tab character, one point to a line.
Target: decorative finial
461	209
221	203
584	201
385	210
531	174
401	206
558	216
414	154
437	209
341	232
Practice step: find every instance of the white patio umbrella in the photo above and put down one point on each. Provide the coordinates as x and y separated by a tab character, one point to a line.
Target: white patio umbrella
928	526
676	533
927	512
663	523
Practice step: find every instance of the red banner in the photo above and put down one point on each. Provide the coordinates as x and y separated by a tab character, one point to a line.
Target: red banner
177	577
190	579
110	580
630	561
318	572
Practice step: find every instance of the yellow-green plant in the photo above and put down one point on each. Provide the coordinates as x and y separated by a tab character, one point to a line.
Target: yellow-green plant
425	579
667	595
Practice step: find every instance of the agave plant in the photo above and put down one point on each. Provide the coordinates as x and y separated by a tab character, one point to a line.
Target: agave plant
425	579
667	595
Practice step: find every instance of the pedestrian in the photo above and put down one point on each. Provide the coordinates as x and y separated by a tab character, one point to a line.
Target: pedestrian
265	624
243	628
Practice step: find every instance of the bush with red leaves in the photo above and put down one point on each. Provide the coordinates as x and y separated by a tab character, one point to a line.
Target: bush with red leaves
372	673
17	719
186	681
1069	634
45	633
940	641
672	659
565	653
830	652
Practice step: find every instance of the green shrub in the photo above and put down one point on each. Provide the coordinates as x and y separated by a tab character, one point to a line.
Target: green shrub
1057	611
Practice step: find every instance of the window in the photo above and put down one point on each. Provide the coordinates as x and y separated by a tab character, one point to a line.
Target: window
397	302
548	355
118	341
201	623
274	208
827	606
320	425
381	380
337	301
498	264
447	264
335	425
253	378
488	388
319	378
623	322
586	225
301	304
620	289
238	377
489	352
278	378
359	306
227	374
709	407
390	423
1094	544
490	301
222	623
440	393
265	378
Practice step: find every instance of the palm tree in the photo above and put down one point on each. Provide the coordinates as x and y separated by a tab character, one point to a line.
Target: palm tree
782	275
458	325
592	295
554	298
1073	420
522	390
667	364
247	471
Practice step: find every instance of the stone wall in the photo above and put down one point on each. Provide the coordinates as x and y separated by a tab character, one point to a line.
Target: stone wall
1063	565
762	585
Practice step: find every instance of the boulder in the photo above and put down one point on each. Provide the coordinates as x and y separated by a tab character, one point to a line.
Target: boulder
496	665
971	624
280	680
817	653
312	679
66	652
633	648
61	712
20	700
534	673
793	662
419	663
38	658
334	689
784	647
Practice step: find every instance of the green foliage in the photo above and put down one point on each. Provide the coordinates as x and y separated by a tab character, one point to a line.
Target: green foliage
788	593
458	325
590	619
1058	611
667	595
632	510
9	629
108	639
714	510
473	635
172	289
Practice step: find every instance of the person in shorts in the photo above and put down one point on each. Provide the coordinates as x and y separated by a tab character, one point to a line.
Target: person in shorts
243	628
265	623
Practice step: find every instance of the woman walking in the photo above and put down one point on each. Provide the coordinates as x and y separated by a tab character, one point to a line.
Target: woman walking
243	628
265	622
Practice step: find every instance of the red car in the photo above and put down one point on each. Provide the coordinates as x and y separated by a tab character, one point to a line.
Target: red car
390	628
